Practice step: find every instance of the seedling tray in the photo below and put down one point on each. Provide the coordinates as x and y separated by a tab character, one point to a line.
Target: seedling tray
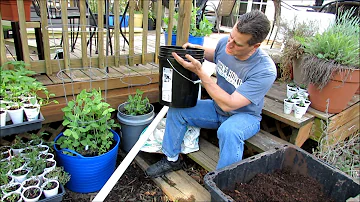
22	127
336	184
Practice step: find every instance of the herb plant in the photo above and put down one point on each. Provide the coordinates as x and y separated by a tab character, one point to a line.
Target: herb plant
335	50
58	174
88	120
137	105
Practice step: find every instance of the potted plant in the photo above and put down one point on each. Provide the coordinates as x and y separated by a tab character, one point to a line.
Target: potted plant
197	31
88	142
294	33
9	10
31	194
12	197
13	187
288	105
50	188
32	181
331	64
134	115
58	174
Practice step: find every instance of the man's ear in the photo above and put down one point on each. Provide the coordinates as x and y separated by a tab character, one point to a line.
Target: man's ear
257	45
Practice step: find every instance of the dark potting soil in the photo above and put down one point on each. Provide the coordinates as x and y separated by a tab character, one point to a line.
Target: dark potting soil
282	185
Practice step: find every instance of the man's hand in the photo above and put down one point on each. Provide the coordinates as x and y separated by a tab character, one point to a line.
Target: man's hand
190	45
194	65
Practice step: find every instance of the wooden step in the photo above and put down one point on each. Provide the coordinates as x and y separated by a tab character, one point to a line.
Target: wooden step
208	155
177	185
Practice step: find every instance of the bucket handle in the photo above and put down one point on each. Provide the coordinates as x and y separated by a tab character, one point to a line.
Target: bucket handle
194	82
73	152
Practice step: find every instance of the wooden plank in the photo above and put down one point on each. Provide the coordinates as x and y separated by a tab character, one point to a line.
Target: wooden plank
83	33
302	134
344	117
181	185
95	73
3	59
32	24
145	29
40	67
183	24
344	131
275	110
158	28
111	83
65	28
100	35
76	75
112	73
208	155
131	32
23	34
117	33
56	80
44	79
45	34
171	21
53	113
264	141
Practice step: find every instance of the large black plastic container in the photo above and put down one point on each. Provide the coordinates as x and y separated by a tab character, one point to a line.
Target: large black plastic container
176	85
336	184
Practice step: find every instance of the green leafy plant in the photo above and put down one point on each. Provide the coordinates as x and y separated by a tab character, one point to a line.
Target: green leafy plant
4	179
58	174
335	50
137	105
301	104
289	100
88	120
17	161
204	28
13	197
292	84
18	143
17	84
303	86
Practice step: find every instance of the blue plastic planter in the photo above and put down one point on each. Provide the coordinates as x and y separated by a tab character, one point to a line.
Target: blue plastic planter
192	39
196	40
123	24
173	39
88	174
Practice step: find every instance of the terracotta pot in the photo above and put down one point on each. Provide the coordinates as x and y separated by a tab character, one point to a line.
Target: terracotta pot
9	10
338	93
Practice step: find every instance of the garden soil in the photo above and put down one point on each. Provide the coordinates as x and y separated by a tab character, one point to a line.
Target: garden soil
282	185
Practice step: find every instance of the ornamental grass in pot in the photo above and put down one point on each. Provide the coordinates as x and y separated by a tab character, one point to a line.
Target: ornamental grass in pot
331	64
87	149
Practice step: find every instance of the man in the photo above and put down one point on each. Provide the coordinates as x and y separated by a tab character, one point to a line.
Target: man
244	74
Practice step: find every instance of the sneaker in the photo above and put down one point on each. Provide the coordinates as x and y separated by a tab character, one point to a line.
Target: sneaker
162	167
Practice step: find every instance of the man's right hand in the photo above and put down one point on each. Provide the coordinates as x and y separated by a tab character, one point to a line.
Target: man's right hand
190	45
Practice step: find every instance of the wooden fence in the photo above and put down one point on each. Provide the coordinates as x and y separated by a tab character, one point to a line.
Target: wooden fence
52	66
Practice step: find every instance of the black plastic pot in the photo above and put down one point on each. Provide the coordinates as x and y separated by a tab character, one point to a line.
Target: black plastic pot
336	184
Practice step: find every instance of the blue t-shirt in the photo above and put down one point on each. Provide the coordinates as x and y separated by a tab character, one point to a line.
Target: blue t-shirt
252	78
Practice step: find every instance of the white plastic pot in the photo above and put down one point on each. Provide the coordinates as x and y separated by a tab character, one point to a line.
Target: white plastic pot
32	113
3	117
51	192
16	115
23	193
288	106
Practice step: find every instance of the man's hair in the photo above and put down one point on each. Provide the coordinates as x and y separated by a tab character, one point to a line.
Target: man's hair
255	23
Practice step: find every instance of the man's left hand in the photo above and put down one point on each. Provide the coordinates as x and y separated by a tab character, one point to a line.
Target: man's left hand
194	65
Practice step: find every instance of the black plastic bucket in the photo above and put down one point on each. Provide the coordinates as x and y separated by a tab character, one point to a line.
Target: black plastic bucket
178	86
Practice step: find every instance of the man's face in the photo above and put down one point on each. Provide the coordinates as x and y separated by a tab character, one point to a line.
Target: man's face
237	44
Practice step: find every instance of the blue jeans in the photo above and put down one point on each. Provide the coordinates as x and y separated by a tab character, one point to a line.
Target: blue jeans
232	130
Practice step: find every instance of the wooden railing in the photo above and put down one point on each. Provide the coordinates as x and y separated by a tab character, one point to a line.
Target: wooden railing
51	66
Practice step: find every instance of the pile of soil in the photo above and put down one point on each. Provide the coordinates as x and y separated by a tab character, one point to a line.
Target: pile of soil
282	185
